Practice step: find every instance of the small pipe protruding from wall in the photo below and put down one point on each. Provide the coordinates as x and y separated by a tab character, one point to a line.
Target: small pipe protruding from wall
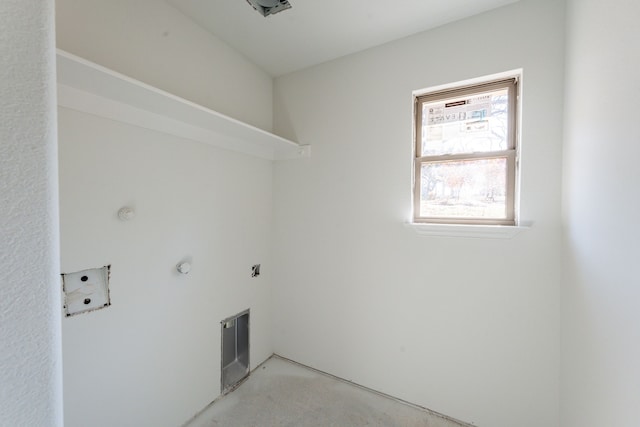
183	267
126	213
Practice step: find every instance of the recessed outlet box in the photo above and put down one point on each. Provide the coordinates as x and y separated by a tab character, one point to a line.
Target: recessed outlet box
255	270
86	290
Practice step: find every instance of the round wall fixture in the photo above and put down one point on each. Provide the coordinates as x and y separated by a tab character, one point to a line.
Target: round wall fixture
126	213
183	268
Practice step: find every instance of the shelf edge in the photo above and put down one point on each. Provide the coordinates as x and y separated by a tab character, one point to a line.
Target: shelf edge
91	88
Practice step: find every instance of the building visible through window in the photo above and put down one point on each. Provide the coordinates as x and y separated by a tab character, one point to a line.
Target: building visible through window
466	155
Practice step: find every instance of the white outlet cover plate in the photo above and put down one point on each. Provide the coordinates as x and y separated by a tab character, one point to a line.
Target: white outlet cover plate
86	290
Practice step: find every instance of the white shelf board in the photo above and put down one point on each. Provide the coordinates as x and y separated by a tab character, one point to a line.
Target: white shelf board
91	88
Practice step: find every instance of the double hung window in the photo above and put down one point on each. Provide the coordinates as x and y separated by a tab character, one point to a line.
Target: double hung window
466	155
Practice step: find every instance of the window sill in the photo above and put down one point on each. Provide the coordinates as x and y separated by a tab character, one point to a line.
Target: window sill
464	230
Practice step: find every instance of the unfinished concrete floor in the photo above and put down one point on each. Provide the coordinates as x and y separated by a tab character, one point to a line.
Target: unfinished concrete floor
285	394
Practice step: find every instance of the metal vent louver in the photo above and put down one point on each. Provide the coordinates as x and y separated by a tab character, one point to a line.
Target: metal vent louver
269	7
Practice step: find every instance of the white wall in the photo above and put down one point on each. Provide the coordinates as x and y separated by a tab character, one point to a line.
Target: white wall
151	41
153	357
601	337
467	327
30	354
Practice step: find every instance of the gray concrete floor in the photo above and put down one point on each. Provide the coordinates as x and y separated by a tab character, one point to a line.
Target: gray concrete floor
285	394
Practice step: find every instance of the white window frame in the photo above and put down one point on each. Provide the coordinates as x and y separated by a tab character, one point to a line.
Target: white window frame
509	81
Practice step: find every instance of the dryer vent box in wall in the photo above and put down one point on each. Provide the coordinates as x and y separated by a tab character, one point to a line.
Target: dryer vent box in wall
235	350
86	290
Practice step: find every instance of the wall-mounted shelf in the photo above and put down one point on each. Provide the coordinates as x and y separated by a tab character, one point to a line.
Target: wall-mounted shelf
91	88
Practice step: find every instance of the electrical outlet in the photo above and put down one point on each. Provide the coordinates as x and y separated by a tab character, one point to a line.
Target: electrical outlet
86	290
255	270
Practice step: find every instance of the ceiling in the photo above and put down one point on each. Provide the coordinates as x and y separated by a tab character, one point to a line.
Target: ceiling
315	31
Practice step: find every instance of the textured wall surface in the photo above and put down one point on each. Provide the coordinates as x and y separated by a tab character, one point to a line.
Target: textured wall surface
30	359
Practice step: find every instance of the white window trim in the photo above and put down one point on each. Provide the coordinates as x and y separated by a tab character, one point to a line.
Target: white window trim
473	230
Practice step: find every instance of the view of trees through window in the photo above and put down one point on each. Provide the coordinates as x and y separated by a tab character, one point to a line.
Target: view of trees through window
464	189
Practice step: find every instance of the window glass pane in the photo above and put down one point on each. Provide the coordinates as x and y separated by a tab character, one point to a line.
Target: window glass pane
464	189
467	124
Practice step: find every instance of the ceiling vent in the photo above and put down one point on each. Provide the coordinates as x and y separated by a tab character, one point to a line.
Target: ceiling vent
269	7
